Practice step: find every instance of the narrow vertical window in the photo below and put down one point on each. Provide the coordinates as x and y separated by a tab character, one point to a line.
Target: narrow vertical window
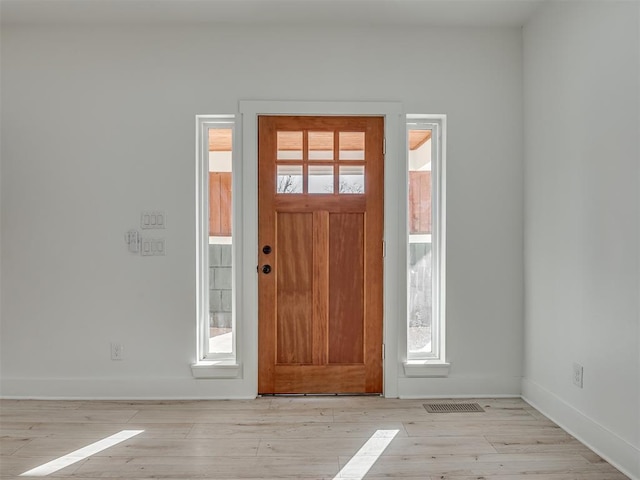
215	237
220	241
425	323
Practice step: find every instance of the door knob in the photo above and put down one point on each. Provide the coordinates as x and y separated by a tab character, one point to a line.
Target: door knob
266	249
266	269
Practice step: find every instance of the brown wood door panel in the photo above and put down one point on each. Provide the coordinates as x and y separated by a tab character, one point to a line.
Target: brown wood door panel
346	291
294	203
320	306
320	287
314	379
294	278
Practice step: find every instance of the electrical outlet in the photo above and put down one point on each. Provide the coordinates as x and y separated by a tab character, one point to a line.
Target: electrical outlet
117	351
577	375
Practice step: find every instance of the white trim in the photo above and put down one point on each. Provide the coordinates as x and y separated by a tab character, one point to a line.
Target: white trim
219	240
467	386
420	238
268	107
425	369
134	388
613	448
189	388
394	128
202	251
212	369
460	396
203	124
437	357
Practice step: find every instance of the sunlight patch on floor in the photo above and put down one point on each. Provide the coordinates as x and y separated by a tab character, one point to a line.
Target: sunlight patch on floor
362	461
85	452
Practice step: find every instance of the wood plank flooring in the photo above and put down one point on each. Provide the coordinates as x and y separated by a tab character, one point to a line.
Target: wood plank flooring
284	437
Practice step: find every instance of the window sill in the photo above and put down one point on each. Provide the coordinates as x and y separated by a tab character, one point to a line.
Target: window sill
425	369
216	369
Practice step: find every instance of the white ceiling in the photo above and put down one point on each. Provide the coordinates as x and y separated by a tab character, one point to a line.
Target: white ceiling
478	13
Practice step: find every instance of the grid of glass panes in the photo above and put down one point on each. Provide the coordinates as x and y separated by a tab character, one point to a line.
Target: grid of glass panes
320	162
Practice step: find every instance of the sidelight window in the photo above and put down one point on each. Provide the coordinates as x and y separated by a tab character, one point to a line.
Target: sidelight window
216	324
425	249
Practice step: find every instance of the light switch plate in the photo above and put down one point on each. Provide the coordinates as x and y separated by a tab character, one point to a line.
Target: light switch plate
153	247
157	246
145	247
153	219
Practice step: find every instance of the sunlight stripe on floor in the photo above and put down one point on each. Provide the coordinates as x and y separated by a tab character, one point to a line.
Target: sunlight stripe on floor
362	461
85	452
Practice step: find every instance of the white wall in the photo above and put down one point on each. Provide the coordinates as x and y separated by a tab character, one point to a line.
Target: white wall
582	105
98	125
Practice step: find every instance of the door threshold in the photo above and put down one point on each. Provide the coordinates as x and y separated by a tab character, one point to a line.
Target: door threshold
320	395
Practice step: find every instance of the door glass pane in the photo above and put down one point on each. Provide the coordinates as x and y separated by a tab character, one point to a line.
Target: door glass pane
321	179
351	145
320	145
289	179
420	258
352	179
220	241
289	146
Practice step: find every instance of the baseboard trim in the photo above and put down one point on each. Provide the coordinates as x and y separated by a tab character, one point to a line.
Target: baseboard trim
436	397
459	387
189	388
125	389
614	449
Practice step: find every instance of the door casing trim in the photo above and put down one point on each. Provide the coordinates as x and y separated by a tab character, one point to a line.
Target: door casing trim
394	262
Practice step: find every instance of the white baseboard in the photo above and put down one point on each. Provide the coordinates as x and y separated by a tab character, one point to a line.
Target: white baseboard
189	388
614	449
126	389
459	387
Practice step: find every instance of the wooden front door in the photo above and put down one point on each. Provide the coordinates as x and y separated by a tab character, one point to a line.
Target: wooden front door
320	198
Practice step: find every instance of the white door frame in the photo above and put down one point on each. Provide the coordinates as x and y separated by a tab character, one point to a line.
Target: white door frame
394	261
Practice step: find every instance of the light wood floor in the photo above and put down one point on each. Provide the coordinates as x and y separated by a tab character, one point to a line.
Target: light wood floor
283	437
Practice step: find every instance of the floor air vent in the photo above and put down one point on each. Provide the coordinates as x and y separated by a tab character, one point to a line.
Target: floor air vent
452	407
